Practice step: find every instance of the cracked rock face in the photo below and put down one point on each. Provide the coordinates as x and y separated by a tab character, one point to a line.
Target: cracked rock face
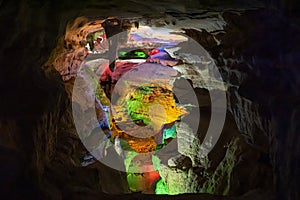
251	94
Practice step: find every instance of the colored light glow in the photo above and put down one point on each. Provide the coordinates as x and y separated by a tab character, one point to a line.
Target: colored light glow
129	157
156	162
140	181
169	132
149	104
161	187
132	55
145	97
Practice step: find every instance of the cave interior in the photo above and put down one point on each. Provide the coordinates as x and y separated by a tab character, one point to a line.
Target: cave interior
150	100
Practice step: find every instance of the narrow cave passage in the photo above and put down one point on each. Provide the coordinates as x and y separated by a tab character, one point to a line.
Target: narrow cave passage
150	105
46	155
137	91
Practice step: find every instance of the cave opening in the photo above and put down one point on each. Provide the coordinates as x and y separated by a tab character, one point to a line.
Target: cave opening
43	149
137	91
150	105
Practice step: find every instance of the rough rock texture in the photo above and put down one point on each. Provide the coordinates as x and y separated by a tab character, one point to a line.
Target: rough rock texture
261	73
39	147
70	51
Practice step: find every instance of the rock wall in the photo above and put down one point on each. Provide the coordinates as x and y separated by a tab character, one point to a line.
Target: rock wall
257	62
257	56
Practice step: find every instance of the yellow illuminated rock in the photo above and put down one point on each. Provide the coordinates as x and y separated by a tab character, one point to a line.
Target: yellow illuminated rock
151	106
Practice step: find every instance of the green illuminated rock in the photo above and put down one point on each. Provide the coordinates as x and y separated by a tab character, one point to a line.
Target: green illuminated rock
161	187
219	181
169	132
133	55
147	97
